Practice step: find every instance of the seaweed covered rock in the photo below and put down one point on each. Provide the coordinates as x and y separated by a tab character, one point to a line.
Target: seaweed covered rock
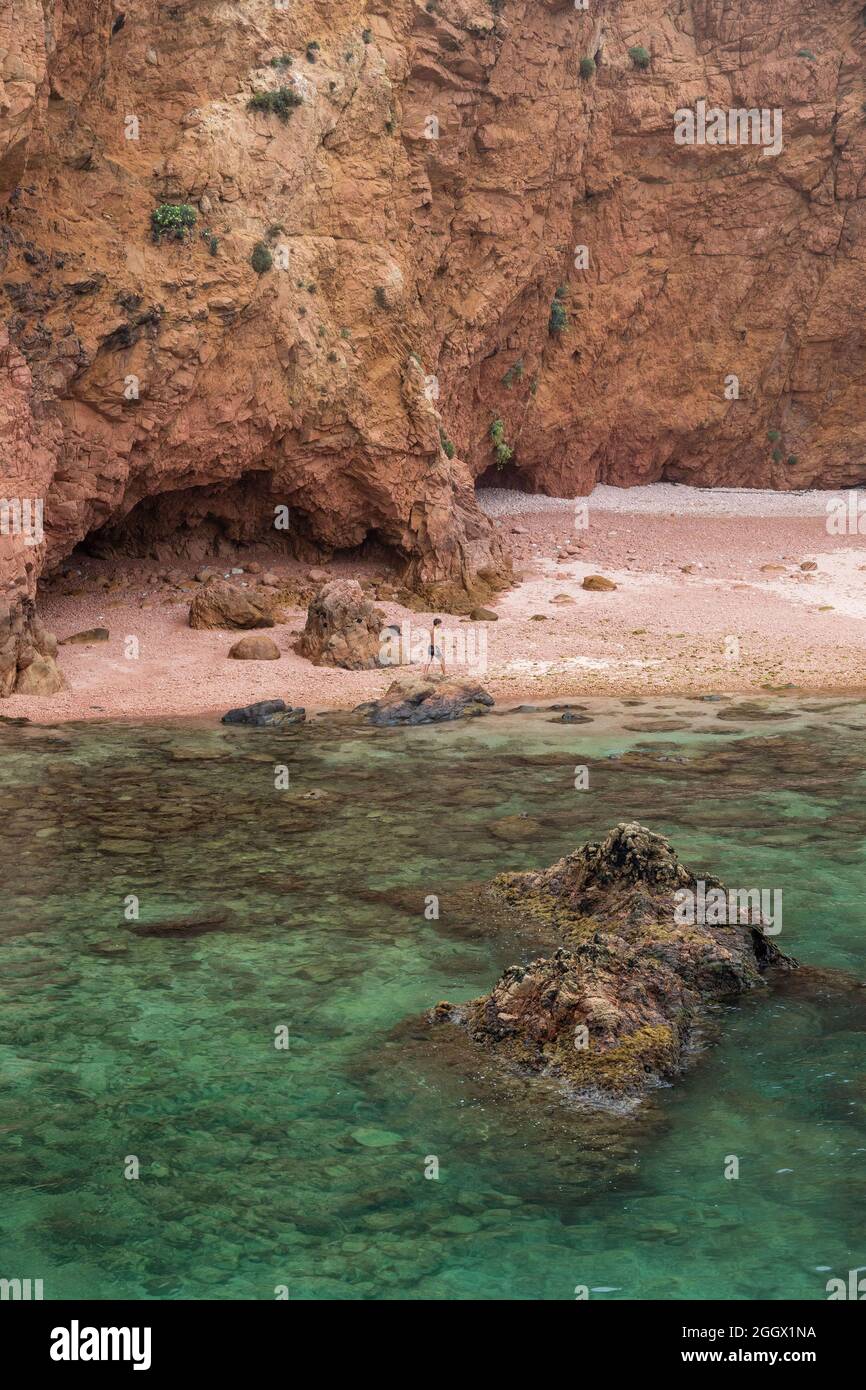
342	628
423	700
621	1003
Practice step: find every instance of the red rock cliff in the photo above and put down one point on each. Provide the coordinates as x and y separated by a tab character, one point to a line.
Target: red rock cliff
422	211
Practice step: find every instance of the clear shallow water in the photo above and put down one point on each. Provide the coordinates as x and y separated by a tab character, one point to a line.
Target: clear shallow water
305	1167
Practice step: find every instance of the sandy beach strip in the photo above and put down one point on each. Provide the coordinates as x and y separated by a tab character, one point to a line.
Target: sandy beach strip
711	596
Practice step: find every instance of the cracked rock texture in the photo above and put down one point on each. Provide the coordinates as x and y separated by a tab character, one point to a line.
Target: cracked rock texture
422	206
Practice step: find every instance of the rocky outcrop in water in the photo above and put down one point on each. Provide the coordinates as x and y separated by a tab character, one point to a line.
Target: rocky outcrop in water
621	1004
266	714
420	700
342	628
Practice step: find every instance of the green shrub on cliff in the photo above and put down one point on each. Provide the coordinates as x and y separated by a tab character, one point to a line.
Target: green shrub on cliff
640	56
587	67
261	259
279	103
172	219
447	445
558	321
501	449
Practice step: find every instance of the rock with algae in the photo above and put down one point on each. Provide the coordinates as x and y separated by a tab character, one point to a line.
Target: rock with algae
622	1002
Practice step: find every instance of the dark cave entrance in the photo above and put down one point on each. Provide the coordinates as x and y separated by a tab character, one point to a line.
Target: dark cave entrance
224	524
512	477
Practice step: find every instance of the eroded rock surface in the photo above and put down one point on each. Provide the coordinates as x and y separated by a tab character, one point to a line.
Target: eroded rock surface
221	605
621	1004
342	628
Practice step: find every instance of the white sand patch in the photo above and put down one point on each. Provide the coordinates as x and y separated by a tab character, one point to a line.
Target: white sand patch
535	669
837	582
664	498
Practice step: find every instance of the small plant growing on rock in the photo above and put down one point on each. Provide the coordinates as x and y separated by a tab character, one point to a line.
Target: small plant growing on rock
793	460
806	53
213	245
501	450
774	436
261	259
172	219
284	61
640	56
514	373
280	103
312	51
587	67
332	356
367	35
381	297
447	445
558	321
344	332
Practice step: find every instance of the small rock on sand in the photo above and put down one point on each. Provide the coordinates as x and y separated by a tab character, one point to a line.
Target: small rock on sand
258	648
598	584
90	634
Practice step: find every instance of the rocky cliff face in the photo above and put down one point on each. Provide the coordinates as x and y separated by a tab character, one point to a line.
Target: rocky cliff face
419	216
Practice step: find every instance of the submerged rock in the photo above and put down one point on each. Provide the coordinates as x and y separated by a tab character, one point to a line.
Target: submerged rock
619	1006
266	713
419	700
342	628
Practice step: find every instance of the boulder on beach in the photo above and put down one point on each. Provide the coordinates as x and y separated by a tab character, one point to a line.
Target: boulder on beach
619	1005
342	628
431	700
258	648
41	676
218	604
266	714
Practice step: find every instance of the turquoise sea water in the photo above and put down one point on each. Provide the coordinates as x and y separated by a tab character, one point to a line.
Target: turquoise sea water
303	1168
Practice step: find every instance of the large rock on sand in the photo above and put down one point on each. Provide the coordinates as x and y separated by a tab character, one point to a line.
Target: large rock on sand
620	1005
342	628
220	605
41	676
416	700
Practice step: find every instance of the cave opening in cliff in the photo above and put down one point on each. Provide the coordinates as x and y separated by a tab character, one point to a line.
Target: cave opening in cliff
510	476
220	522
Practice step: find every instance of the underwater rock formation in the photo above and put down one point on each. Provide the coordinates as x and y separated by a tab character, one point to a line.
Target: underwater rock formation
620	1005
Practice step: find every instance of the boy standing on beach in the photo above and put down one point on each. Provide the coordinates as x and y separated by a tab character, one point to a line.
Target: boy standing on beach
435	651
